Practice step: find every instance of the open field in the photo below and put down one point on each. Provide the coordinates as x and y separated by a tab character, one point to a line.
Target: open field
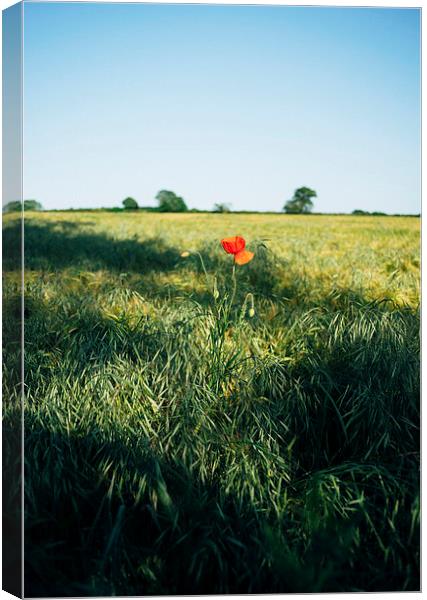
176	442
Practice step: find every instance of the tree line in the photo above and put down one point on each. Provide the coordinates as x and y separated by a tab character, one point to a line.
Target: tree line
301	203
169	202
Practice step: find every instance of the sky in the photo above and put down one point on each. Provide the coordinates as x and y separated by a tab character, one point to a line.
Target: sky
234	104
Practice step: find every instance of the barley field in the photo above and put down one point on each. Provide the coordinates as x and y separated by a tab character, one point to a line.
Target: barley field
193	427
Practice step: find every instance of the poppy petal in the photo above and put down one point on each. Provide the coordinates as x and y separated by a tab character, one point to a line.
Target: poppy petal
233	245
243	257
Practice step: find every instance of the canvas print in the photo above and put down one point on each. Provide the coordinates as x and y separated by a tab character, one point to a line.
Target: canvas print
211	293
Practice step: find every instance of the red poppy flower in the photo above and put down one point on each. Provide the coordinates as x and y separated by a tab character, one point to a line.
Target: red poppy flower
236	245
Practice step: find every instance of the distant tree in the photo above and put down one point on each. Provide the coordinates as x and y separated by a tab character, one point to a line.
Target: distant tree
32	205
222	207
170	202
16	206
366	212
149	209
130	204
301	201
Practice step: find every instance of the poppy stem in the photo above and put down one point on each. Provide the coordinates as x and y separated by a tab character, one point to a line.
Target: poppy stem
233	277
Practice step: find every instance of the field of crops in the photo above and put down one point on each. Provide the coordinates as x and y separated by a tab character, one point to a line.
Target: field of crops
192	428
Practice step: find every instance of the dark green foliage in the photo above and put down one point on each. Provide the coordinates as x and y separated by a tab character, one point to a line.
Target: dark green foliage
149	208
32	205
130	204
16	206
170	202
367	213
301	202
221	207
175	446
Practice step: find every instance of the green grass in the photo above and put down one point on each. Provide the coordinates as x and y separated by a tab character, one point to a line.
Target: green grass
176	445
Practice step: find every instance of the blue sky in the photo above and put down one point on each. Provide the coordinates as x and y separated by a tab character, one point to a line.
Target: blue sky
238	104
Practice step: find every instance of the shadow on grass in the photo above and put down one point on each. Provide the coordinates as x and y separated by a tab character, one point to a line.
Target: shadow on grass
90	530
54	246
58	245
349	385
88	535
